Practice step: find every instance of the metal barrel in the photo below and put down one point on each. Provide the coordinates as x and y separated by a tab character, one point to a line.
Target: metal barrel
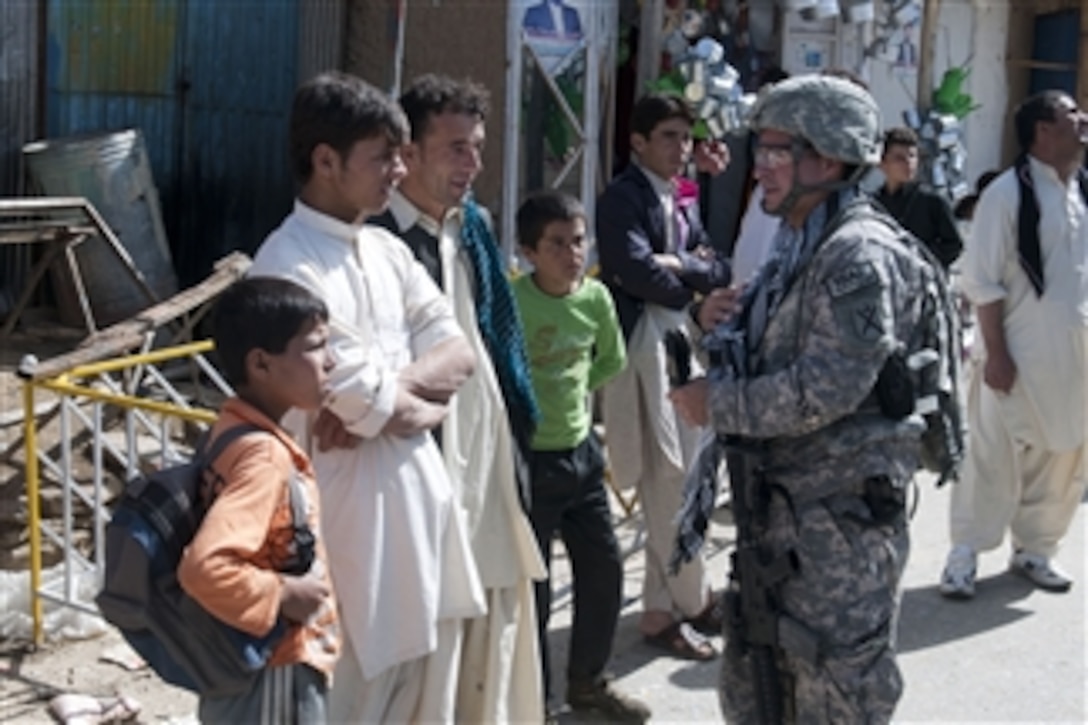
112	171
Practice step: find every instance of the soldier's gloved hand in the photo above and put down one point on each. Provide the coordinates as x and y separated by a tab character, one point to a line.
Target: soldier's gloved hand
690	402
718	306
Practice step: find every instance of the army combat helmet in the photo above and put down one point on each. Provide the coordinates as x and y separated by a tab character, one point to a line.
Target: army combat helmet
837	117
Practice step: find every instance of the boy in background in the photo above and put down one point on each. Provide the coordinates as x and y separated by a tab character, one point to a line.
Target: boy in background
272	338
575	345
922	211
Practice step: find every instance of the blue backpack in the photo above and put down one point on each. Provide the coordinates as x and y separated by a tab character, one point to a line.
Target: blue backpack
157	516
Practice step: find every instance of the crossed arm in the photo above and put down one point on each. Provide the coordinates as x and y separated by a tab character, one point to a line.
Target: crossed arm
420	401
425	386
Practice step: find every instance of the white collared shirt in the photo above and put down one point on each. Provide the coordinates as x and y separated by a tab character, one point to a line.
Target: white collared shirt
666	194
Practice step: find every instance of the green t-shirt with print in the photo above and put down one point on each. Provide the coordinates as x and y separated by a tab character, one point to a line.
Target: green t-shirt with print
575	346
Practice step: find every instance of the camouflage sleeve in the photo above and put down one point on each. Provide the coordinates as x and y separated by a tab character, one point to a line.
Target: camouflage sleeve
847	335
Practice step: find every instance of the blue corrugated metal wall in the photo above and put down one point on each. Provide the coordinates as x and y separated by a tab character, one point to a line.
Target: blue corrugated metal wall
18	123
210	83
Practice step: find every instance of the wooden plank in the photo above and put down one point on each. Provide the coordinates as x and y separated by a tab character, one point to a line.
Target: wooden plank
121	338
1042	65
931	10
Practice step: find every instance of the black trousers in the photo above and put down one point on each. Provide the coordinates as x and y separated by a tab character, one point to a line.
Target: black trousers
569	497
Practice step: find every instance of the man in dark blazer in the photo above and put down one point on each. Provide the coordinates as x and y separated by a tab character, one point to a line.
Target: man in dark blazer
655	257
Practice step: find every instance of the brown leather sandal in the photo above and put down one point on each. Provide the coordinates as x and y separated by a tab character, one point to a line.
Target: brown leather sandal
709	622
681	640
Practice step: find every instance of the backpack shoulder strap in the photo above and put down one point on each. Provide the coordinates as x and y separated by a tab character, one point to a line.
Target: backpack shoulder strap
207	454
302	546
297	498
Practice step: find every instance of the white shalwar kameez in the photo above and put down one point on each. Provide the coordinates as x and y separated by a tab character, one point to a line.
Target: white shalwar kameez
397	541
500	665
1025	452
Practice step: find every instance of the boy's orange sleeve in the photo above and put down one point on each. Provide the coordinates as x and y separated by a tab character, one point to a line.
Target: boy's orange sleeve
219	569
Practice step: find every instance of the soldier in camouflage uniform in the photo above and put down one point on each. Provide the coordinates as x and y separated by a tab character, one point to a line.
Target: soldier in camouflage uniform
836	299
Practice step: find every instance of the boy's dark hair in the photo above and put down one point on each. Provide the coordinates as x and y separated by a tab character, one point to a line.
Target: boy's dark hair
900	136
985	179
432	94
655	108
541	209
965	207
264	313
1040	107
339	109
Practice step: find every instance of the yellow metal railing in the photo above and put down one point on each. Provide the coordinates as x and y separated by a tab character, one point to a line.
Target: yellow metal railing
94	384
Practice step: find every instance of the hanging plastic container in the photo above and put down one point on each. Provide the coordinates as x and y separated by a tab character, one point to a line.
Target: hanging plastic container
824	9
113	172
858	11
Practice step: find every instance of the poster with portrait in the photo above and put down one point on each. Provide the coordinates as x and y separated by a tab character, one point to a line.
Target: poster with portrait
554	29
557	33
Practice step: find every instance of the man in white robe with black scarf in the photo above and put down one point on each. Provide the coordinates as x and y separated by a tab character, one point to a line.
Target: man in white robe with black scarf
1024	269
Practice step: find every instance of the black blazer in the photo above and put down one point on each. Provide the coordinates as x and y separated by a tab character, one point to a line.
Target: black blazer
926	215
630	230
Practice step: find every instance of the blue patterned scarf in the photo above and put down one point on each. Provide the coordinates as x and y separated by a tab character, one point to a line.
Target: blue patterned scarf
499	322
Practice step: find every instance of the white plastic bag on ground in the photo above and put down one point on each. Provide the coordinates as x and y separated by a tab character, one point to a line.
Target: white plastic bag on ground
60	622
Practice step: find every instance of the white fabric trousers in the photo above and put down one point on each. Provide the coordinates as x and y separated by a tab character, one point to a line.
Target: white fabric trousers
1010	481
650	448
660	493
420	690
500	665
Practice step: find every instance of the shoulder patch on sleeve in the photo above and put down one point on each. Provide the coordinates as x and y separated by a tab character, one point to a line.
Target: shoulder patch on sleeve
852	278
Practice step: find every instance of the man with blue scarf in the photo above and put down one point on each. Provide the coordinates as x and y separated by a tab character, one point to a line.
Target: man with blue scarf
793	383
493	416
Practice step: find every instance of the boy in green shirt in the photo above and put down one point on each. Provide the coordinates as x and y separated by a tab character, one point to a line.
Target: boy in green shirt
575	345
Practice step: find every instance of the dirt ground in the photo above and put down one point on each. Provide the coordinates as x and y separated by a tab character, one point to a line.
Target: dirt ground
30	679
